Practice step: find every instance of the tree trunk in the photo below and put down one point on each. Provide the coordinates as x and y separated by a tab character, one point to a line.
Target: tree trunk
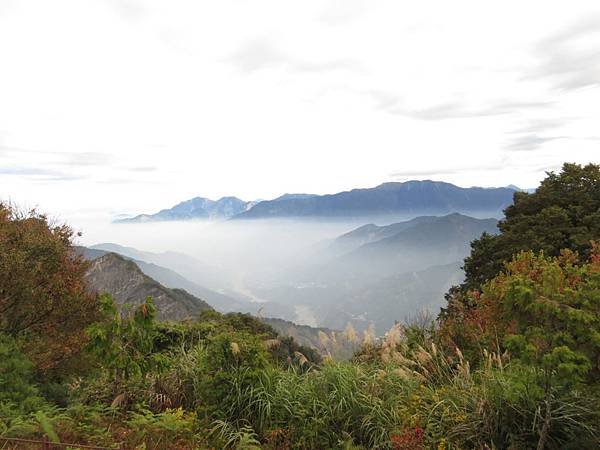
545	427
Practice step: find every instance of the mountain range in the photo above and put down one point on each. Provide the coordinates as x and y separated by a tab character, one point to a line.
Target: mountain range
428	242
373	252
196	208
411	198
380	274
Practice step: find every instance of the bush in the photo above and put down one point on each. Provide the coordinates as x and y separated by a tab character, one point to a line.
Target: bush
17	388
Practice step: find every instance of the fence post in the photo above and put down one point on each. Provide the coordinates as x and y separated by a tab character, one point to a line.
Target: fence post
46	444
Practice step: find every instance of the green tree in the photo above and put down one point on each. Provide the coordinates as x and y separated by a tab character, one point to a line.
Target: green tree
544	311
552	307
563	213
124	341
17	387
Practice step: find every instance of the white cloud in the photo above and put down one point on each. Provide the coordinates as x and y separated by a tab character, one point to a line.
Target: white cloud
141	104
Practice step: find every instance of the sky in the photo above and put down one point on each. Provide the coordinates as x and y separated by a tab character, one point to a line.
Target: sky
130	106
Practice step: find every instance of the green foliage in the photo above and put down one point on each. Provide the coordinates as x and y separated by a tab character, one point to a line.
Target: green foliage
124	343
563	213
544	310
243	438
169	429
17	388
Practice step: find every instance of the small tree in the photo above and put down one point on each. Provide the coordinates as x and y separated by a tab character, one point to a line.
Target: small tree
43	295
17	387
124	341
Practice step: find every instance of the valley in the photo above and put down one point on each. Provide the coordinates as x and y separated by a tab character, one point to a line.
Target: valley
318	272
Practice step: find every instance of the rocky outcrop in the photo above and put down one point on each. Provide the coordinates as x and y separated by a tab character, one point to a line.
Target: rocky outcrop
123	279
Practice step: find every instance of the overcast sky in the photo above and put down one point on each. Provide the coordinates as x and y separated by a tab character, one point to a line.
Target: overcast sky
131	106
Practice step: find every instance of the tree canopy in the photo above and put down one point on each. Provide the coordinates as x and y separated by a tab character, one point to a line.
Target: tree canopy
43	296
563	213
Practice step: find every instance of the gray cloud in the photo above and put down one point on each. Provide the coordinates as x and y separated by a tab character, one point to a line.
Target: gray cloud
142	169
129	10
407	174
38	174
344	11
70	159
453	110
261	54
392	103
540	125
256	55
122	180
26	171
383	100
569	58
530	142
85	158
340	64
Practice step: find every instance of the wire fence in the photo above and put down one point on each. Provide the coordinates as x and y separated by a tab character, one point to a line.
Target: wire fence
22	444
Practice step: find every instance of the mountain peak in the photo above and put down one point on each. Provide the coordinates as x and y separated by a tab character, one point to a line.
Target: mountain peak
125	281
196	208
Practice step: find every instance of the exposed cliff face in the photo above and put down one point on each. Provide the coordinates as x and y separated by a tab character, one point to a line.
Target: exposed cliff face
123	279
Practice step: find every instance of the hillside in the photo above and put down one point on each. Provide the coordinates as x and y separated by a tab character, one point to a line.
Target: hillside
437	241
408	198
169	278
372	233
187	266
125	281
395	298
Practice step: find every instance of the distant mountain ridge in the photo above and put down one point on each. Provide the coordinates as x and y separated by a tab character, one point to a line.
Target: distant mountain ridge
409	198
414	198
196	208
433	241
371	233
381	273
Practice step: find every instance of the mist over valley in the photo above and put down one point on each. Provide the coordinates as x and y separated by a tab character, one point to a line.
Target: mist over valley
347	260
